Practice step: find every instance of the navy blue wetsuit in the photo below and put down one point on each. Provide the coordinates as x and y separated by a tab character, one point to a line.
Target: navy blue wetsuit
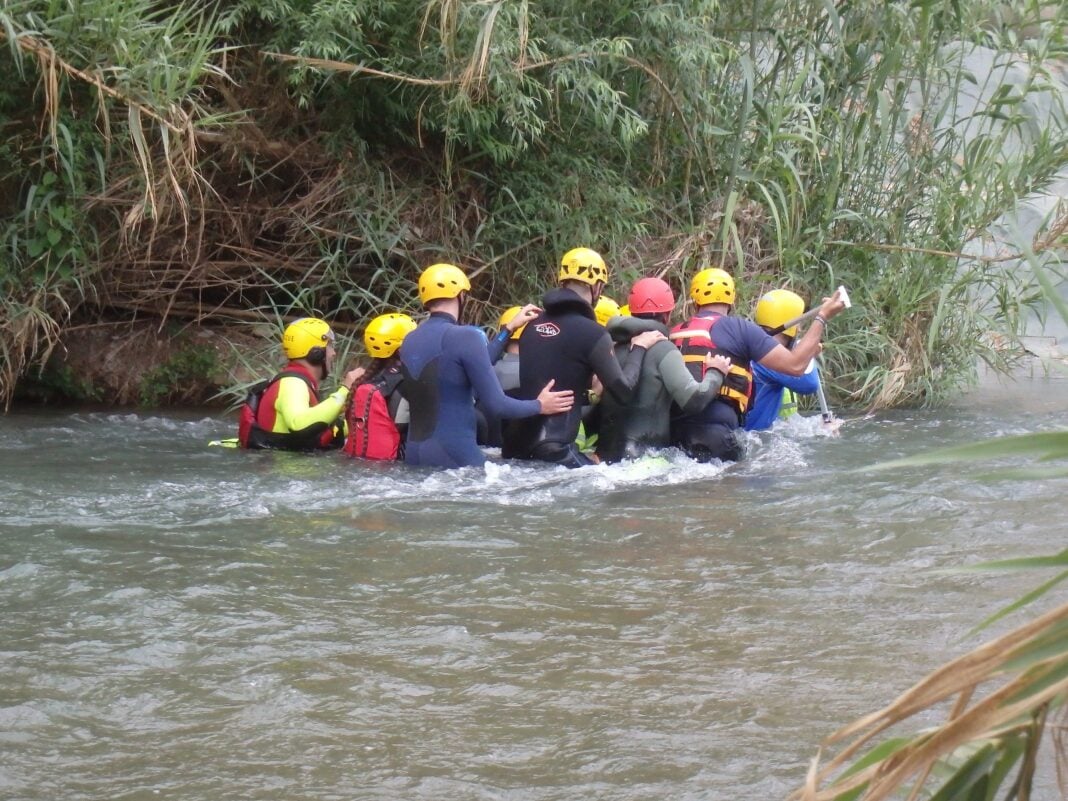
445	366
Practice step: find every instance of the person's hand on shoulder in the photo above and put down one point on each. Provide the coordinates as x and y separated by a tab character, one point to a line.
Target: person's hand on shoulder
351	377
721	363
646	339
555	402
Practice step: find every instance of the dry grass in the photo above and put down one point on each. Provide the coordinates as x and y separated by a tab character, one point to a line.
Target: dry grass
1029	667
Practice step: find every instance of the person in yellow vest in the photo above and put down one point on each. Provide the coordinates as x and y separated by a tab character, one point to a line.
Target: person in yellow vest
290	414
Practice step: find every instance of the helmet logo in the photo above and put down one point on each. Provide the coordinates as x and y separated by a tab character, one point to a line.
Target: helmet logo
547	329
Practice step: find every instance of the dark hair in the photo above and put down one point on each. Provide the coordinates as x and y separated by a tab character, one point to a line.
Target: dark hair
379	366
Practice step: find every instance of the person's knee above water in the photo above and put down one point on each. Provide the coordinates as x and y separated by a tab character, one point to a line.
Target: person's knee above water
565	344
712	433
627	429
377	415
289	414
446	366
770	388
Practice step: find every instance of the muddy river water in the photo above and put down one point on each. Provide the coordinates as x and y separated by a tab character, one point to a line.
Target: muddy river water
188	622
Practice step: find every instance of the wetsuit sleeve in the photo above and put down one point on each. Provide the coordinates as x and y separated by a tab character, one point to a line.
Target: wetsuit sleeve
293	408
475	359
690	395
804	384
617	378
495	346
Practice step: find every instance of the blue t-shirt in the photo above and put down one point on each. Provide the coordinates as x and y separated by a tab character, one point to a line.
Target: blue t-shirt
745	341
767	393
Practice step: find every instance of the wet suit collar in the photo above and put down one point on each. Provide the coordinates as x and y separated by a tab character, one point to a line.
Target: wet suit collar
443	315
562	301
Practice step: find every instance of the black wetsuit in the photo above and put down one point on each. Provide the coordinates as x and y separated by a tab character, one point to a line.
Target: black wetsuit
564	344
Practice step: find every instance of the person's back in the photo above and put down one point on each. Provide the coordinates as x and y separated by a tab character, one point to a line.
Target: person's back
562	345
628	429
506	368
445	366
713	432
565	345
377	416
436	358
774	313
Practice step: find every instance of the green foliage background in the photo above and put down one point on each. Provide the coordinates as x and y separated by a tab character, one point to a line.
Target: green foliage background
262	159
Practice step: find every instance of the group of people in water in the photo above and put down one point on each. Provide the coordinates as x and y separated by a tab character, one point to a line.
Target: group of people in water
569	382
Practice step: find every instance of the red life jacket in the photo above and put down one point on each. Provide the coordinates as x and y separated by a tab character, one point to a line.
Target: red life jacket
694	339
252	435
372	432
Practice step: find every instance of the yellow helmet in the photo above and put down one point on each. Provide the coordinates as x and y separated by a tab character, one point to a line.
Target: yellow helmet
777	307
624	310
712	285
605	309
307	338
385	333
506	317
442	281
585	265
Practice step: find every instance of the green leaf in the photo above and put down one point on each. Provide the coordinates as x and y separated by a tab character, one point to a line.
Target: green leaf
1045	445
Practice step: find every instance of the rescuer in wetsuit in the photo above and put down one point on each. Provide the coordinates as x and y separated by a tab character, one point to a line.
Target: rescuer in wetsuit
566	345
628	429
290	415
445	366
712	432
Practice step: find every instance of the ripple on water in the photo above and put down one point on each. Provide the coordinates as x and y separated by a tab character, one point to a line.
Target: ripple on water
202	622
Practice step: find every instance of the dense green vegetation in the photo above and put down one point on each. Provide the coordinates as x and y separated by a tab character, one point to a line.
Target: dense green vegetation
262	159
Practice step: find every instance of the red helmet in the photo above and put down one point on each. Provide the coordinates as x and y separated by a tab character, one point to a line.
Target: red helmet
651	296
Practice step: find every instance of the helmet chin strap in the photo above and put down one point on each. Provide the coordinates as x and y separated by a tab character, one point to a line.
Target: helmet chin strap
461	300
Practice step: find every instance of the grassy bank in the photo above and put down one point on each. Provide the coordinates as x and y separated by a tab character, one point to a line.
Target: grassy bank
263	161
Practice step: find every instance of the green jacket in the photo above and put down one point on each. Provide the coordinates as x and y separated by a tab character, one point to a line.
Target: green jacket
645	421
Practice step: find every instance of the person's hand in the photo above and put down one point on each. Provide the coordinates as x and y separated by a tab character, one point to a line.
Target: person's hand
555	402
646	339
351	377
522	317
596	387
832	306
721	363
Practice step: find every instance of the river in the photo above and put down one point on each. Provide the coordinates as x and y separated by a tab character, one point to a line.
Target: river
188	622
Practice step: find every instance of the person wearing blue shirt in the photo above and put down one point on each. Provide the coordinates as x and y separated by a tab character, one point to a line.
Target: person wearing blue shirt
770	387
712	432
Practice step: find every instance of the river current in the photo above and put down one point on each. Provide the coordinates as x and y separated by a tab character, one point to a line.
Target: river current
188	622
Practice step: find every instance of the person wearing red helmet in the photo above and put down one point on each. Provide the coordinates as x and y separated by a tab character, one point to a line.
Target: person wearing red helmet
644	421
